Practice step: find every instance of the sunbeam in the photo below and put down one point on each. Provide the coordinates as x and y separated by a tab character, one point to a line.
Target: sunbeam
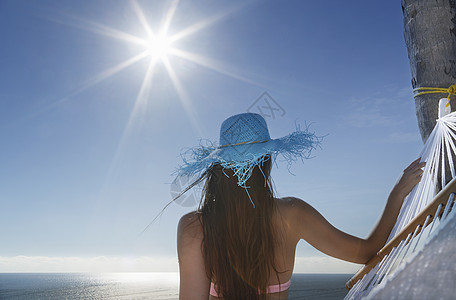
140	102
142	18
210	64
205	23
87	84
166	22
100	29
110	72
183	97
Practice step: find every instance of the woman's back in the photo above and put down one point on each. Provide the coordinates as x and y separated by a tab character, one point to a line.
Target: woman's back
283	221
242	239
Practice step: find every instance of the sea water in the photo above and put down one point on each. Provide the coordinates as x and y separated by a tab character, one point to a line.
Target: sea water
142	286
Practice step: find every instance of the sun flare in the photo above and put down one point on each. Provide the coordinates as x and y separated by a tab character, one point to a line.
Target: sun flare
156	47
159	46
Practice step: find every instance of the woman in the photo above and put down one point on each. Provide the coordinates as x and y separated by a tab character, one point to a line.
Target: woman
240	243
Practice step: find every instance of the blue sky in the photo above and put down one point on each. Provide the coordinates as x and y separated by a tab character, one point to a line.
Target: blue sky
89	141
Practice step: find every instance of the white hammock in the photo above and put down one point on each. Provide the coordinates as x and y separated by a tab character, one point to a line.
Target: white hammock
417	229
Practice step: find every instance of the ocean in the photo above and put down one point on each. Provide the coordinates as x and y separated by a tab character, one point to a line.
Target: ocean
158	286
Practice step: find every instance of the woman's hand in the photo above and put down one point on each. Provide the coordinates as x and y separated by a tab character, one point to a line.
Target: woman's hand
411	176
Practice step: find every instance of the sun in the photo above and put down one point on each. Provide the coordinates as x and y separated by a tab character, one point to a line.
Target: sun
158	46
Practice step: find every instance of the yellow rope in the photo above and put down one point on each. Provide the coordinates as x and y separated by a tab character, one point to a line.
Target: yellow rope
242	143
432	90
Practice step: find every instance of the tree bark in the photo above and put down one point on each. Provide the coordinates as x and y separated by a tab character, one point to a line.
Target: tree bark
430	36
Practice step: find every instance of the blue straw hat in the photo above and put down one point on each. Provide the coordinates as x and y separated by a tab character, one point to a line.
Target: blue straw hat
244	143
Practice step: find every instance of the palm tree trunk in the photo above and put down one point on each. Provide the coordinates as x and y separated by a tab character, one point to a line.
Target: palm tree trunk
430	36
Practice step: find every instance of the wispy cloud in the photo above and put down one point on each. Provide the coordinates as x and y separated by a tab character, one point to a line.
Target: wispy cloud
403	137
384	109
370	112
87	264
63	264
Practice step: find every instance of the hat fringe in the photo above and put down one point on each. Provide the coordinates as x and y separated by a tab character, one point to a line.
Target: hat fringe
297	145
195	159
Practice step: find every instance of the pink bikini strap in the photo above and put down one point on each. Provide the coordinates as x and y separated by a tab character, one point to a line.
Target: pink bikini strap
213	292
276	288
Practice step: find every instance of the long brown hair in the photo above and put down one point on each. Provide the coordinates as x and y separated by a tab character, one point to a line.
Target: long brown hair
238	238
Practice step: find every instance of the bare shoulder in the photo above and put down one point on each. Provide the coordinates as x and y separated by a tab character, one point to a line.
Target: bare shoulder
291	206
189	226
298	214
194	283
189	219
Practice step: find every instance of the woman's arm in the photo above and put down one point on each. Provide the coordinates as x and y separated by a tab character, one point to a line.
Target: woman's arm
194	283
318	232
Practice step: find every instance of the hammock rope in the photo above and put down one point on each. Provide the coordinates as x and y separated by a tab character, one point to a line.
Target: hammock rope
433	90
438	153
